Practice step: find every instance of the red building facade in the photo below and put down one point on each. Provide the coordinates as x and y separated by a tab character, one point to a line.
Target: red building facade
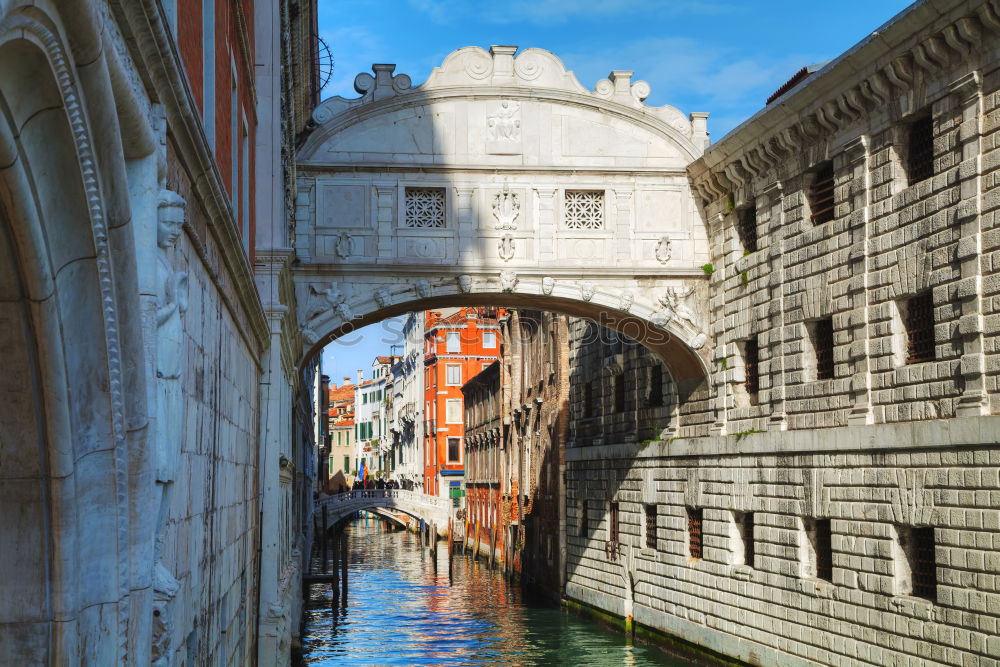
457	346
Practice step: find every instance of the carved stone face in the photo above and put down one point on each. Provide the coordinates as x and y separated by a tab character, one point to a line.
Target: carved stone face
170	221
465	283
587	291
548	284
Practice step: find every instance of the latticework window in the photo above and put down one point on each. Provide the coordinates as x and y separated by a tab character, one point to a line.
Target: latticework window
751	361
584	209
821	194
425	207
924	564
694	531
650	526
747	227
920	150
823	345
920	329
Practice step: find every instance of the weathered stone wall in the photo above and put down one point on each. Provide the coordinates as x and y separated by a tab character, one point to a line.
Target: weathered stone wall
770	613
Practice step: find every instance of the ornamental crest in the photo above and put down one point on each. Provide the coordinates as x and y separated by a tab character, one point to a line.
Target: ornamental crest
506	208
664	250
506	247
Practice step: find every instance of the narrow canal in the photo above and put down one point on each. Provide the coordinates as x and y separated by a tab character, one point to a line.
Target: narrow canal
400	609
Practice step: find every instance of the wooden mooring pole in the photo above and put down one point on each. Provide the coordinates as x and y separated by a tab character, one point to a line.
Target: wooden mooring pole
324	538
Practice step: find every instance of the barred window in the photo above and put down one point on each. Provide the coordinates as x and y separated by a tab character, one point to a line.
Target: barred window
620	393
822	339
655	397
694	531
584	209
920	150
746	227
425	207
823	541
613	521
651	526
751	360
821	194
918	318
923	562
744	526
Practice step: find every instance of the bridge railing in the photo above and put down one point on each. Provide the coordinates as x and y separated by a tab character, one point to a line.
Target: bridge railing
432	506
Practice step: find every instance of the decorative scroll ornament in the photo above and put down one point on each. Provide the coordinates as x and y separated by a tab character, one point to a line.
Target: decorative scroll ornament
504	124
423	287
381	297
587	290
505	246
464	283
343	247
506	208
548	284
626	302
508	281
664	250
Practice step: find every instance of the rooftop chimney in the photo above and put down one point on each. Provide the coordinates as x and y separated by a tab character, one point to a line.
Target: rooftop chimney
347	379
361	376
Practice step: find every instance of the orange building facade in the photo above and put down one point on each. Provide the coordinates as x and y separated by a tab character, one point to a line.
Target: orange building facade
457	346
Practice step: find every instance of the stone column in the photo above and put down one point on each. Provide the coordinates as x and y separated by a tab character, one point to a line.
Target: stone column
466	226
967	96
385	203
775	208
856	157
623	224
546	224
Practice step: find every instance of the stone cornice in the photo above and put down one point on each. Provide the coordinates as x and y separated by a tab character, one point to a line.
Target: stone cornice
354	115
924	40
153	46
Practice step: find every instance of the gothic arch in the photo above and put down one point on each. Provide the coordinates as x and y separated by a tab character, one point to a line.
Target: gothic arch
66	257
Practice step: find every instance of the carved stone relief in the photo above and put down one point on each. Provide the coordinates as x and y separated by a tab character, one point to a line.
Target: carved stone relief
504	124
317	299
344	311
506	208
508	281
343	245
664	250
381	296
548	284
464	283
674	306
423	288
505	247
626	302
587	290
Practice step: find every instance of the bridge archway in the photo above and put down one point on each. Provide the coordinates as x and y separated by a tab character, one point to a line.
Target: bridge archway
503	181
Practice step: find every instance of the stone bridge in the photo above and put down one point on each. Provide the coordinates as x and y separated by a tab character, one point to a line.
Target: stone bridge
503	181
430	509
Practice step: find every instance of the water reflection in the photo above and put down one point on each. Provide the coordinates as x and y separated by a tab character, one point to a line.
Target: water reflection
399	609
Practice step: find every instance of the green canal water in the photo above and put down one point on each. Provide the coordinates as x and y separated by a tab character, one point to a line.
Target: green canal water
402	609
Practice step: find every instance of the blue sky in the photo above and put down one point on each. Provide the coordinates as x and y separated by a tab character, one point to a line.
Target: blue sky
721	57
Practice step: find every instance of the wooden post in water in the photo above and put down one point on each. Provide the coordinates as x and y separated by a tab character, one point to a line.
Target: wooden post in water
451	542
493	546
336	536
475	543
343	562
324	537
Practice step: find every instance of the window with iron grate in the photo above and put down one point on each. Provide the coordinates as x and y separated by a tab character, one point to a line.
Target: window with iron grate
588	399
822	339
694	531
824	550
584	209
751	363
620	393
918	318
655	397
425	207
613	521
744	527
917	571
746	227
920	150
651	526
821	194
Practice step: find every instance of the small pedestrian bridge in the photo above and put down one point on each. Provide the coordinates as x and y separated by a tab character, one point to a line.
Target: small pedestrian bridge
431	509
